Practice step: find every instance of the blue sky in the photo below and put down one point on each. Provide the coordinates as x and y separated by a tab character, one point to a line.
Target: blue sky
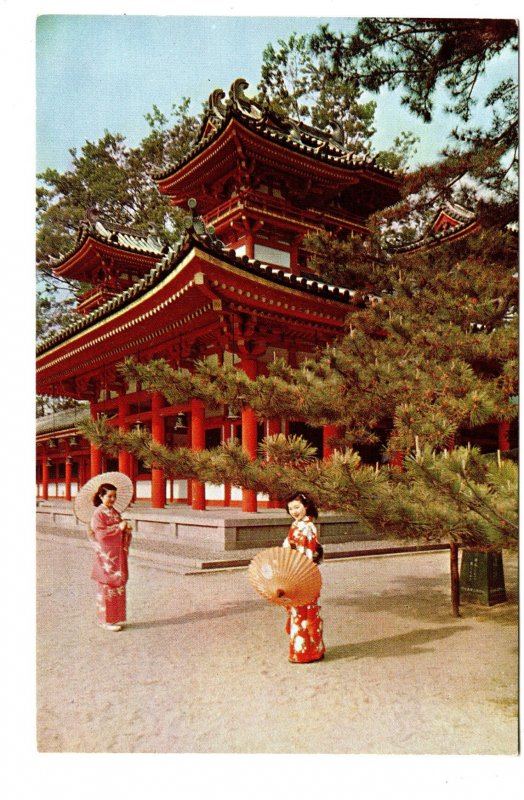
106	72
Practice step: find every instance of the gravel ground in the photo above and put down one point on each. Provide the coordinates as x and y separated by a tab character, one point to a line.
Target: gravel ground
202	666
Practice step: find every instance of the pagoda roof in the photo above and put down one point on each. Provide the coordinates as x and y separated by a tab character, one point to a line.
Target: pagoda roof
119	237
451	221
324	146
169	263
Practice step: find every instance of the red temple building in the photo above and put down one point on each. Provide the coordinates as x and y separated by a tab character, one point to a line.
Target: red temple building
235	288
241	295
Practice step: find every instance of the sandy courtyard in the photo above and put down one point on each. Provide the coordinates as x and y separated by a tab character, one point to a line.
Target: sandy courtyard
202	666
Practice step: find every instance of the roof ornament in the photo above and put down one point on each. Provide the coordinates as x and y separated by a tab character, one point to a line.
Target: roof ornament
293	131
215	104
337	132
195	223
245	104
92	215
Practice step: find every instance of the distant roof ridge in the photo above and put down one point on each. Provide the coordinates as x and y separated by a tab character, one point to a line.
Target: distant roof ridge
127	237
465	219
61	420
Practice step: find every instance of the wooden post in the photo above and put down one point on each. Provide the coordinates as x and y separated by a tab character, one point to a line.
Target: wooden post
198	442
158	480
96	460
227	429
95	453
329	432
45	478
274	426
249	434
123	455
397	460
68	464
503	435
455	580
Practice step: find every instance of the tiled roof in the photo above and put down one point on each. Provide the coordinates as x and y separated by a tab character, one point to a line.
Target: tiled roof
169	262
455	211
116	235
60	420
324	145
429	239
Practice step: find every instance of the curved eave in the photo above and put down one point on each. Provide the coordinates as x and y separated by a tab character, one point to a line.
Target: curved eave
346	162
72	260
444	237
171	268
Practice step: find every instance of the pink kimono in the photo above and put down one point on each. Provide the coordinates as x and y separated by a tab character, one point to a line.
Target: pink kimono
110	564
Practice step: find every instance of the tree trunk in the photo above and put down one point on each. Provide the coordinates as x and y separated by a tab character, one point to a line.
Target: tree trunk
455	581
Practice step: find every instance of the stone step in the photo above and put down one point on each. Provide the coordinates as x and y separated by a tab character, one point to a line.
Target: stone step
175	557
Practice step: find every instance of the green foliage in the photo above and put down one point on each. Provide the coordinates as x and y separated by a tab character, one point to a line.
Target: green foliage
287	450
299	83
418	53
455	496
53	311
474	499
422	55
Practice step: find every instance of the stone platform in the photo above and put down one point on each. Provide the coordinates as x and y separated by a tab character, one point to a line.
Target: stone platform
216	529
182	540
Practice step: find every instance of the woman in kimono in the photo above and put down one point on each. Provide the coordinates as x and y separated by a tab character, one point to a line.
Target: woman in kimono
111	536
304	624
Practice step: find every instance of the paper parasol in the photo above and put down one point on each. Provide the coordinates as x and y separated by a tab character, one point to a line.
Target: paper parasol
83	504
285	577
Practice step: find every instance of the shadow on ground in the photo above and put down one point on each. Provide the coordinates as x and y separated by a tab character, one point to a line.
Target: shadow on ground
199	616
405	644
425	599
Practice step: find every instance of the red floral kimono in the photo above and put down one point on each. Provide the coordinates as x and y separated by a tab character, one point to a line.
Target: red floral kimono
304	624
110	564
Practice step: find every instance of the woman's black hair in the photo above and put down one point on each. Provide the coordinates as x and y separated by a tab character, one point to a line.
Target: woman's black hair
306	500
102	490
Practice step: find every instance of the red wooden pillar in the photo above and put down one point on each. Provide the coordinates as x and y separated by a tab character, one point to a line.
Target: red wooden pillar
226	436
45	478
123	456
293	265
96	460
249	434
328	432
250	244
68	464
81	472
95	453
158	480
274	426
503	435
397	460
198	442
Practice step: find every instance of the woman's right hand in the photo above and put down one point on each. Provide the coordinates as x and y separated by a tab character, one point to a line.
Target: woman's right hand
123	525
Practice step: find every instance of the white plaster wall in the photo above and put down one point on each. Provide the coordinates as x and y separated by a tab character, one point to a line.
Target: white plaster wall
179	490
270	255
143	490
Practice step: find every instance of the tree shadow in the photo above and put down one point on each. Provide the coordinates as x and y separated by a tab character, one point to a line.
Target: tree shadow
404	644
425	599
